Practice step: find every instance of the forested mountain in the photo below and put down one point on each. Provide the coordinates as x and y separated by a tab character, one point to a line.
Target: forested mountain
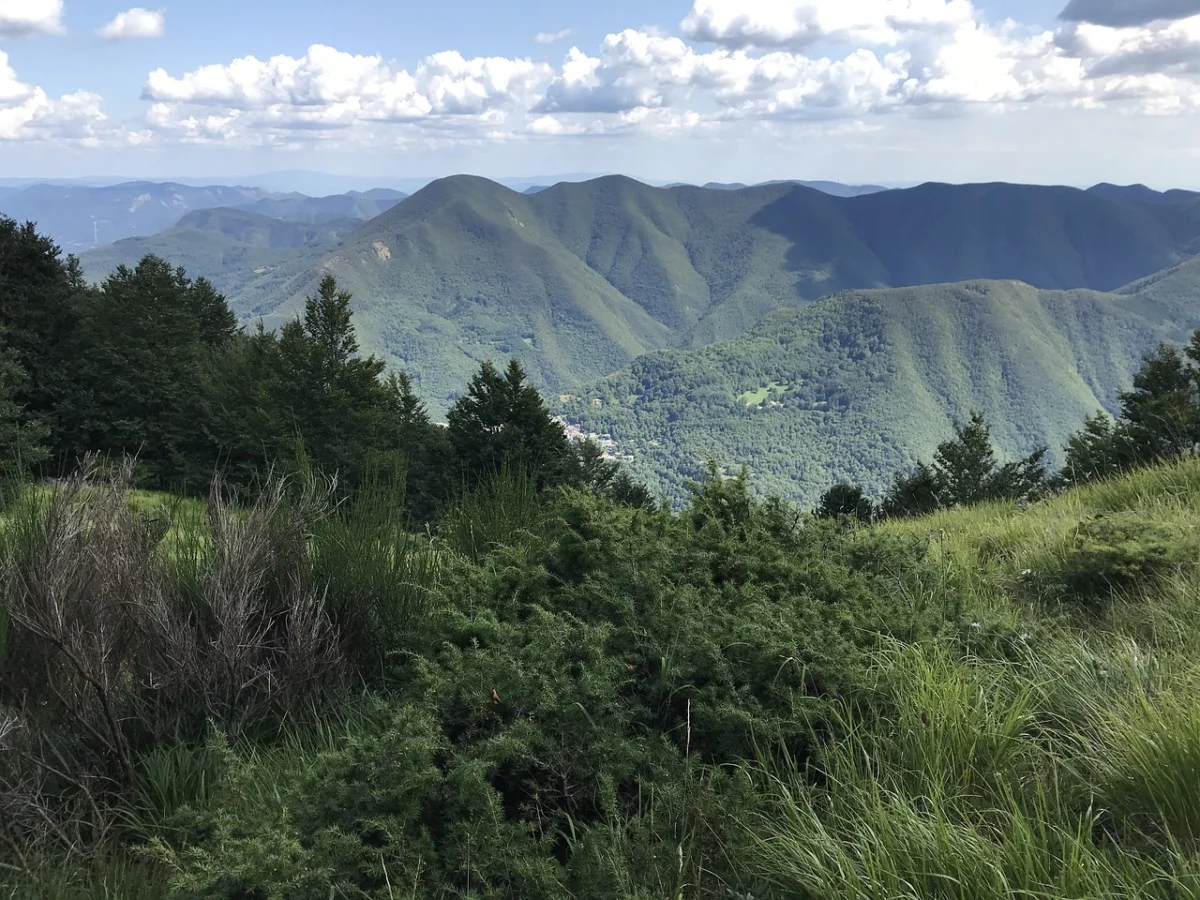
579	279
260	230
861	384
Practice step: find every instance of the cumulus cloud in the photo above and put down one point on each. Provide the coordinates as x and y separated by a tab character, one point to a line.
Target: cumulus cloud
1168	48
22	17
134	23
1124	13
27	113
747	61
552	37
329	89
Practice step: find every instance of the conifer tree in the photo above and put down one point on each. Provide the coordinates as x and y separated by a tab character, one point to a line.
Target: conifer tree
502	422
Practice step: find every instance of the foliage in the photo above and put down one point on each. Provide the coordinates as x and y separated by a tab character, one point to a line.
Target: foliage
865	383
1121	554
965	472
846	500
1159	419
502	422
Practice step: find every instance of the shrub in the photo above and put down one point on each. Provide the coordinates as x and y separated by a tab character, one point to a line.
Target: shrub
1121	554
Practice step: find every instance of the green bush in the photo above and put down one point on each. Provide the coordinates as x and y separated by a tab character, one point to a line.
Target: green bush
1122	554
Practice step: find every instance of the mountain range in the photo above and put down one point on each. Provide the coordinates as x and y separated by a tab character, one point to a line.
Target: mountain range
579	279
80	217
807	335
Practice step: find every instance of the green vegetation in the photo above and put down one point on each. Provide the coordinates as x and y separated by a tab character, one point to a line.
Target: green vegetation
388	659
876	380
577	280
600	701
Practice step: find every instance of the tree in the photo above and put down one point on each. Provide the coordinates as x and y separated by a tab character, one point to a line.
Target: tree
328	328
965	471
502	422
1159	418
1161	414
143	336
333	400
915	493
964	466
22	442
39	296
846	500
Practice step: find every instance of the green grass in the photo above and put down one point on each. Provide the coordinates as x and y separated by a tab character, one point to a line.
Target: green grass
1032	747
1067	766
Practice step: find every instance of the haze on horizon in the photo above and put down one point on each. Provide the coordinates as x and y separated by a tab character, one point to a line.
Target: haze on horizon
858	91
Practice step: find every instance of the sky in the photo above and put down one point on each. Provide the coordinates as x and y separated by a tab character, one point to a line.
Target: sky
861	91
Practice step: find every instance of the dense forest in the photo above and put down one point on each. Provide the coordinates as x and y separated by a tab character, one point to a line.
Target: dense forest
150	364
269	633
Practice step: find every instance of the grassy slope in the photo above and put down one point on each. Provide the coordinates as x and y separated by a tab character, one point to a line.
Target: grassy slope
876	378
580	278
1041	764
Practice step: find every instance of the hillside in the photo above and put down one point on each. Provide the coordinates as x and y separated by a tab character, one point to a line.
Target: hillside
580	278
861	384
260	230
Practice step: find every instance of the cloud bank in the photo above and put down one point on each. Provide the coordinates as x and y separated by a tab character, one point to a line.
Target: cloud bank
855	65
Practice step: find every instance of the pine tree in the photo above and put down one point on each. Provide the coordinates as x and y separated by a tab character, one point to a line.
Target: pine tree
502	422
141	346
1161	415
39	298
1160	418
914	493
966	471
964	466
845	501
22	441
328	327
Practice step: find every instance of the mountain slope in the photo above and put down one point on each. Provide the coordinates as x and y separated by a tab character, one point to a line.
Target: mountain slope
259	230
862	383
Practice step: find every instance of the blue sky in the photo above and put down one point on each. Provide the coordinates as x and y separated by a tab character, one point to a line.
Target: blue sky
854	90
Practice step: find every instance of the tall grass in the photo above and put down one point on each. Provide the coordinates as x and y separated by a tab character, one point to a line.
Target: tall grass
503	511
957	782
380	577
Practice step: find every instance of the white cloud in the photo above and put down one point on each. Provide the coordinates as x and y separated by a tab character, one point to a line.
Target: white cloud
1164	47
552	37
328	89
27	113
1121	13
134	23
757	65
21	17
800	23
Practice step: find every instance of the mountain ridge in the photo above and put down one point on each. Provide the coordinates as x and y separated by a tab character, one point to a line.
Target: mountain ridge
578	279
